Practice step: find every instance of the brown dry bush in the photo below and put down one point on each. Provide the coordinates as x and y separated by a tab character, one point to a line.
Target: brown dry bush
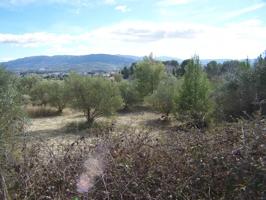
227	162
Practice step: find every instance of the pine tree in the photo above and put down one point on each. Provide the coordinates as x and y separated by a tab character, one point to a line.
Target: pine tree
194	99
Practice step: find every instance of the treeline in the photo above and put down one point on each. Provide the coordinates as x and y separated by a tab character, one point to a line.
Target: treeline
233	88
188	91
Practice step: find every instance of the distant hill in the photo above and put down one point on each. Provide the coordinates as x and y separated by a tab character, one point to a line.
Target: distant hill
85	63
91	62
206	61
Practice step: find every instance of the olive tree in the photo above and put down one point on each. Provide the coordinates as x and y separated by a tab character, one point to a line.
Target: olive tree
58	95
40	93
129	93
163	99
11	115
147	75
27	83
11	122
95	96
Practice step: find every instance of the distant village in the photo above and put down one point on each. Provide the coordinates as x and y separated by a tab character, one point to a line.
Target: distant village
171	67
62	75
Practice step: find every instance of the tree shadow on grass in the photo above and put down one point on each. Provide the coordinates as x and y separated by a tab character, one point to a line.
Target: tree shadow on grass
135	109
42	112
158	124
81	129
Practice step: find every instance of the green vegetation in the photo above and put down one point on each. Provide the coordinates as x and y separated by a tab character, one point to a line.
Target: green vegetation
132	158
148	74
26	84
129	93
40	93
194	100
11	122
236	87
236	95
94	96
164	97
58	95
260	79
11	115
213	70
128	72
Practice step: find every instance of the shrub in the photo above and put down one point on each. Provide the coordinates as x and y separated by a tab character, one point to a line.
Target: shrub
224	163
236	96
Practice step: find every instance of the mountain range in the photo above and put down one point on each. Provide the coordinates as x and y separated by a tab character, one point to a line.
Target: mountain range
83	63
92	62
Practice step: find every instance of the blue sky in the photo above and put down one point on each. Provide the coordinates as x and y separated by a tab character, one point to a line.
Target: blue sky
177	28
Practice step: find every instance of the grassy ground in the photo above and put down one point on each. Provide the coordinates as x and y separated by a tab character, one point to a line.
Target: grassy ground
71	124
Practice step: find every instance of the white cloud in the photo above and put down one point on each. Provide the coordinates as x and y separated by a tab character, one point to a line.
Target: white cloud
34	38
243	11
247	38
141	31
122	8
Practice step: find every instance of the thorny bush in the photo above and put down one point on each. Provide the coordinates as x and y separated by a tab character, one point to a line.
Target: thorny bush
226	162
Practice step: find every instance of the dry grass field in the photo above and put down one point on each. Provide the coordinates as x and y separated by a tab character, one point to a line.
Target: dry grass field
71	125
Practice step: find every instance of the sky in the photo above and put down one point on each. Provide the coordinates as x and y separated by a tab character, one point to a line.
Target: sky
234	29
